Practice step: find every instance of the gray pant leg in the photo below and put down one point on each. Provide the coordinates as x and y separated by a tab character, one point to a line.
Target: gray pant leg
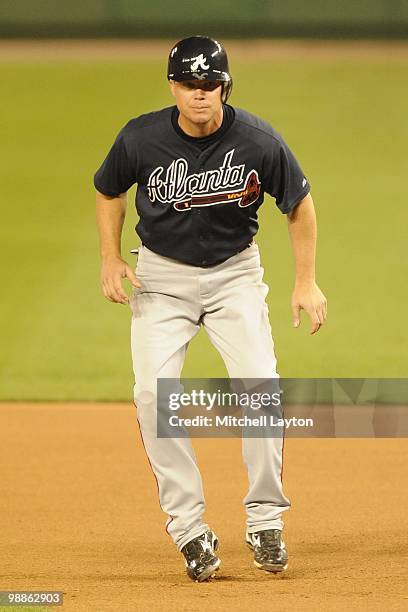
160	334
238	325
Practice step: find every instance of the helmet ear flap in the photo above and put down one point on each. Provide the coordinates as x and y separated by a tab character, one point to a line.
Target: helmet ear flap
226	90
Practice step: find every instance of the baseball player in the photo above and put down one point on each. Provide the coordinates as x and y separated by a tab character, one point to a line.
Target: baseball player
202	168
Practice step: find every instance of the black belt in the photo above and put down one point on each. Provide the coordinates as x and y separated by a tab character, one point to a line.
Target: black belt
246	246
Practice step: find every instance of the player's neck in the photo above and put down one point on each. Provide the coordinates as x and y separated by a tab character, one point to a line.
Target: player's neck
200	130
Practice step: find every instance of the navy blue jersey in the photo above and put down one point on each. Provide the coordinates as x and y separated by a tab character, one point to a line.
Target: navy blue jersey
197	199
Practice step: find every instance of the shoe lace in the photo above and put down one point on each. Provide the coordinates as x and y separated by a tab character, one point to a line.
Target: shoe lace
197	548
270	538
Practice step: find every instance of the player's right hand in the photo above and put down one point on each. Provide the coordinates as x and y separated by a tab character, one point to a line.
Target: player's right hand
112	272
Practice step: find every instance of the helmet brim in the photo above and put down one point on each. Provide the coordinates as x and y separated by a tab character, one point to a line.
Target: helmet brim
205	75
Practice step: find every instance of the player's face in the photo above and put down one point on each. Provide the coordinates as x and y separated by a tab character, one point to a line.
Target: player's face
198	101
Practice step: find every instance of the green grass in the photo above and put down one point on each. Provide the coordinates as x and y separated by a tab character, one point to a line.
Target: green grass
347	123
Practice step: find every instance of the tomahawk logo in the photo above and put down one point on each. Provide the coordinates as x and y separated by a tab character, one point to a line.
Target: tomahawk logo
199	62
226	184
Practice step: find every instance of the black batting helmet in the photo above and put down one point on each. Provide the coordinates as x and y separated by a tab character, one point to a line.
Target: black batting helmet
200	58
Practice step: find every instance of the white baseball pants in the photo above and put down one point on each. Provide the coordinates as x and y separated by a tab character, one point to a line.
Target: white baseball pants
167	311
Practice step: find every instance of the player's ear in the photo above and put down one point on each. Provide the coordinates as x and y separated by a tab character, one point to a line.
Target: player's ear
172	88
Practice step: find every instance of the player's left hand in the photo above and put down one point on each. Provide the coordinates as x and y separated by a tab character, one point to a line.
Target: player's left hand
309	297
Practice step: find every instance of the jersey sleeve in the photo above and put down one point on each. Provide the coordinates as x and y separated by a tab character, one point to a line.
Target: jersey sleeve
118	171
285	180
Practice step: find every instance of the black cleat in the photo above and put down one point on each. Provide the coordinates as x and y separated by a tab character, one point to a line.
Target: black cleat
200	558
269	550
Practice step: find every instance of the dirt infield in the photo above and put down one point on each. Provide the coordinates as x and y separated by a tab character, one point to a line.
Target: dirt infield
80	514
57	50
